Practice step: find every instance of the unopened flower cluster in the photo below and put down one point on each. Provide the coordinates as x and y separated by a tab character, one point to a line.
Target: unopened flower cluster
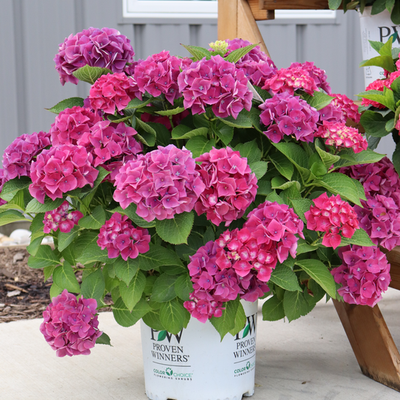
120	237
61	218
70	325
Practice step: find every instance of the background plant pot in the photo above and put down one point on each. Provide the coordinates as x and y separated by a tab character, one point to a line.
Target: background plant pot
196	365
378	28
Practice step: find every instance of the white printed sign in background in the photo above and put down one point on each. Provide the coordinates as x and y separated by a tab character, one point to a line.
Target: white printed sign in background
377	28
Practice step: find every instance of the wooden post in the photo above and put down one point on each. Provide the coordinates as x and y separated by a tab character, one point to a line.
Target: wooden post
236	20
372	342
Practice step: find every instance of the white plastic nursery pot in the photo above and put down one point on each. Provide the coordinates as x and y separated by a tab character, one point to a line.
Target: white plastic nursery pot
378	28
196	365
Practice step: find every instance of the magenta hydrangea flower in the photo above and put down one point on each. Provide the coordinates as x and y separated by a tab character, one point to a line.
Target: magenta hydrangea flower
377	178
72	126
158	74
59	170
255	54
20	154
256	65
333	216
120	237
331	113
214	284
162	183
317	74
285	114
112	91
275	222
112	145
104	48
364	275
339	135
379	216
230	186
347	106
289	80
215	82
70	326
61	218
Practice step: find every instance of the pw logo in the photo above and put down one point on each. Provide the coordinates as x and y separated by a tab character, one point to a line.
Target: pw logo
249	328
162	335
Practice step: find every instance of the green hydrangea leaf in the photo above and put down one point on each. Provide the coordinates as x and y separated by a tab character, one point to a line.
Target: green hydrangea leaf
67	103
90	74
177	229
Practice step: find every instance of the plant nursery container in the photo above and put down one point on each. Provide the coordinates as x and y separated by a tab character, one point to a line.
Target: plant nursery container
378	28
196	365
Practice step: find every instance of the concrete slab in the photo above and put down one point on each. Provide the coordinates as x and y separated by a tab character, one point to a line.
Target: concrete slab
310	358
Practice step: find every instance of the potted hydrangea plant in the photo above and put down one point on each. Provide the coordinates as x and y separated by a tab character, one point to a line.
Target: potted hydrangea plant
378	20
374	7
185	189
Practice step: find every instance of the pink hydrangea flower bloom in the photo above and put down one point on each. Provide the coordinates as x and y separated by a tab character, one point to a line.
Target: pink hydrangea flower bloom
20	154
215	82
112	146
318	74
72	126
285	114
104	48
364	275
254	55
278	223
380	218
61	218
158	74
230	186
378	178
256	65
60	170
120	237
340	135
347	106
111	92
70	326
214	284
289	80
162	183
379	84
333	216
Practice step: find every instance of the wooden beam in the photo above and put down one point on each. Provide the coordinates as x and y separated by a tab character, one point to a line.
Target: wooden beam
295	5
372	342
235	20
258	13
